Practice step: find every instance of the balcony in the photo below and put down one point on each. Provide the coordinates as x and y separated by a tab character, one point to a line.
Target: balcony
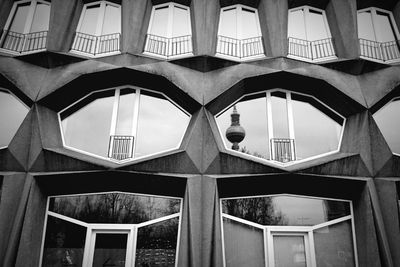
120	147
168	47
240	48
385	51
23	43
311	50
283	149
96	45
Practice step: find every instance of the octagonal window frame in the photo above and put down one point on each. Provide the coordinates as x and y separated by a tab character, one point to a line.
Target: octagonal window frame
136	115
289	110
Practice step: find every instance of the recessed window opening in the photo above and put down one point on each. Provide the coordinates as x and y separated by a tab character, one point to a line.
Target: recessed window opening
122	124
169	34
378	35
281	131
288	230
111	229
27	27
99	29
239	34
309	37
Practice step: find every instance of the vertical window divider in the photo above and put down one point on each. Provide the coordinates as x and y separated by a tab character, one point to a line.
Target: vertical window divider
270	249
135	120
265	246
169	28
114	116
270	125
312	248
373	18
133	242
86	252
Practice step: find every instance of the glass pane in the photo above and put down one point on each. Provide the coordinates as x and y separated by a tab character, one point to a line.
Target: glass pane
296	27
114	207
249	24
289	251
110	250
256	140
88	128
315	132
41	18
227	23
365	27
64	243
161	124
316	26
279	115
180	26
384	29
389	124
156	244
89	21
334	245
286	210
112	20
244	245
159	25
126	108
19	19
12	113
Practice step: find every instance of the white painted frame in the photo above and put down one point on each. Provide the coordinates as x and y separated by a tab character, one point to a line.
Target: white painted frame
28	22
93	228
270	128
114	119
306	231
238	10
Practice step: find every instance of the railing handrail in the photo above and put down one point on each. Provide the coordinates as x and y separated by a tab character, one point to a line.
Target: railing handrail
243	48
380	50
168	38
121	151
317	49
281	147
93	47
23	42
168	46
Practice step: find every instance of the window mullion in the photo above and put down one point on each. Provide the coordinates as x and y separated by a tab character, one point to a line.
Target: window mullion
114	116
29	17
100	18
135	120
312	249
265	234
169	28
87	247
373	18
239	34
290	115
270	126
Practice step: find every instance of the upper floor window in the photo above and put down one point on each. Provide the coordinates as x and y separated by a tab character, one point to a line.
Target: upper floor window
309	36
281	126
169	34
239	34
27	26
99	29
12	113
123	123
378	35
389	124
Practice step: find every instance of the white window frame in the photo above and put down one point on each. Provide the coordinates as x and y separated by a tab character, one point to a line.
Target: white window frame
93	228
99	27
306	231
28	23
168	34
114	120
395	29
239	35
307	30
290	126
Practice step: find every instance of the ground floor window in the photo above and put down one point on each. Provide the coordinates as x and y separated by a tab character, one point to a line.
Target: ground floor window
111	229
288	231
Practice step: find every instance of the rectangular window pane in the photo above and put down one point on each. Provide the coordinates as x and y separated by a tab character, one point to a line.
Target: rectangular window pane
249	24
89	21
296	28
279	115
125	113
110	250
227	24
316	27
112	20
180	26
160	22
18	22
41	18
365	27
289	251
384	29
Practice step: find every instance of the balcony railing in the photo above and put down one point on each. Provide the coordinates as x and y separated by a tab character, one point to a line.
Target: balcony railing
283	149
312	50
22	43
381	51
120	147
240	48
95	45
168	47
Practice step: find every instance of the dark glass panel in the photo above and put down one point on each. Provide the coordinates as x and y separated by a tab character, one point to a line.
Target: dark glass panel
334	245
389	124
114	207
286	210
156	244
244	245
64	243
110	250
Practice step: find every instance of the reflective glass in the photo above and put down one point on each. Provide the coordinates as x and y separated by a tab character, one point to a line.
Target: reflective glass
316	26
296	26
12	113
228	23
114	207
89	21
286	210
180	26
64	243
161	124
249	24
112	20
289	251
365	27
41	18
19	19
334	245
244	244
384	29
389	124
159	24
156	244
110	250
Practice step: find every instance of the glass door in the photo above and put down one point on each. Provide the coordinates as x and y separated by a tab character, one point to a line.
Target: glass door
289	250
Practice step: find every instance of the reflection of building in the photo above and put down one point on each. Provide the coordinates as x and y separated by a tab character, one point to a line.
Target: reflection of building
136	97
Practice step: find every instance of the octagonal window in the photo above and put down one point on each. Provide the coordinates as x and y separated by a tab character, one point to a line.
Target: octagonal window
389	124
124	123
281	126
12	113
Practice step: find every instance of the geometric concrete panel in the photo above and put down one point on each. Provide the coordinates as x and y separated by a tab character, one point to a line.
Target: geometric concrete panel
391	168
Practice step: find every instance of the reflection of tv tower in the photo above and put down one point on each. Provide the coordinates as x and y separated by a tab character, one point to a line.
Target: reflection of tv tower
235	133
